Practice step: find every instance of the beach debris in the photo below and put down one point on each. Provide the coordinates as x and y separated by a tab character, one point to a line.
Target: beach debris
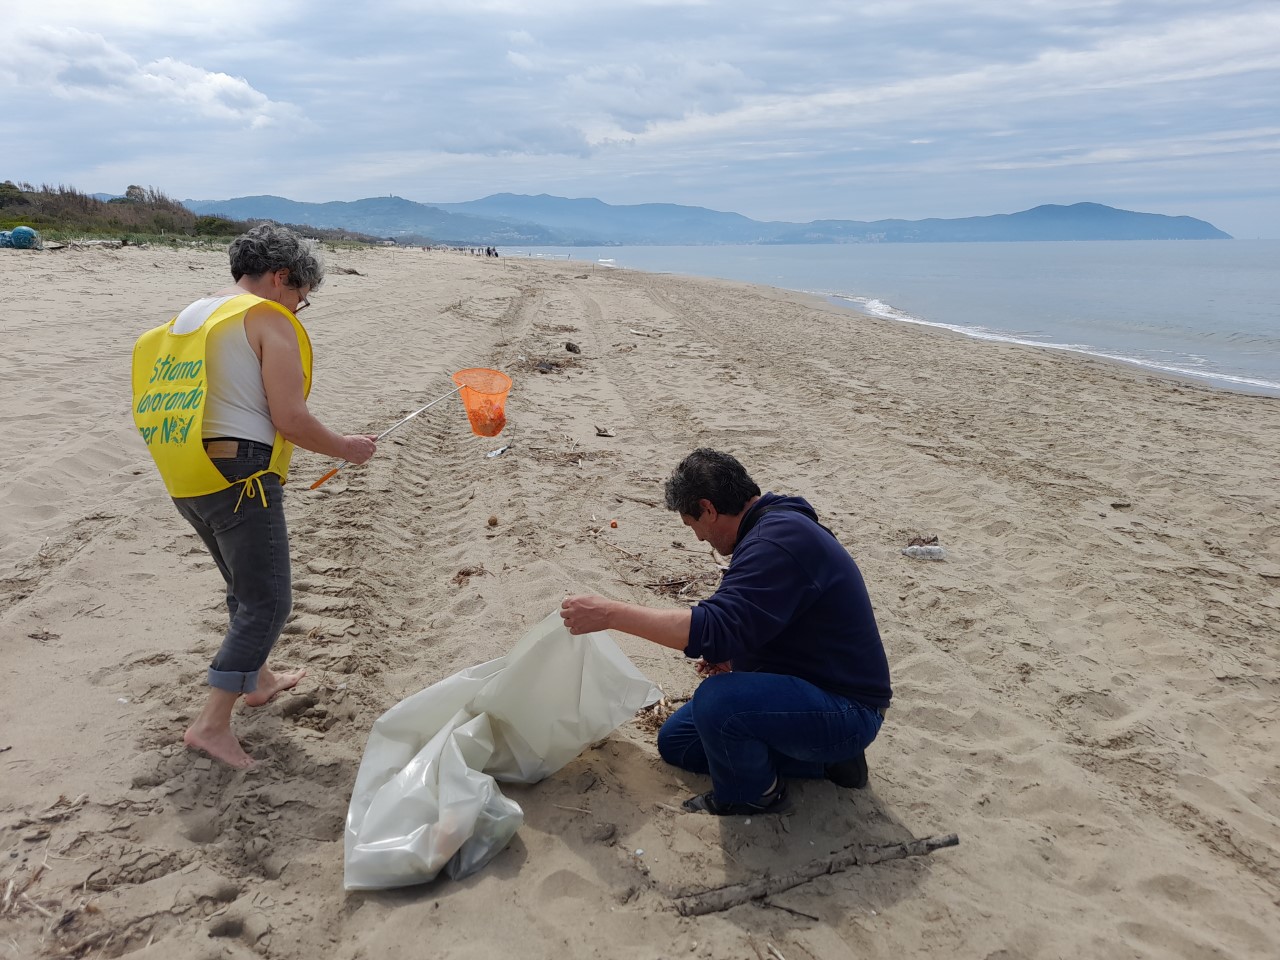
650	718
679	587
466	573
731	895
605	432
924	548
493	520
499	452
920	552
572	347
21	238
346	270
623	496
559	363
1121	505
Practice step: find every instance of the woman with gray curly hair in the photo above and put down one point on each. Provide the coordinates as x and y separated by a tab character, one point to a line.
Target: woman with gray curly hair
220	397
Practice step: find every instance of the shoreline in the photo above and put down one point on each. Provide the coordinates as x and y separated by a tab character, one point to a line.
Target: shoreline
1084	689
1223	382
1241	380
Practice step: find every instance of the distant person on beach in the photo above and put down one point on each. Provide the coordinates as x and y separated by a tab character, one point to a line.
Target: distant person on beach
219	395
796	679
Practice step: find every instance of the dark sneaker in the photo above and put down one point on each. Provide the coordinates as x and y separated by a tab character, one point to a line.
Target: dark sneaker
775	802
849	773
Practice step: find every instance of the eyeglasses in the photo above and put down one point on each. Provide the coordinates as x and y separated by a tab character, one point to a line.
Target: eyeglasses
302	304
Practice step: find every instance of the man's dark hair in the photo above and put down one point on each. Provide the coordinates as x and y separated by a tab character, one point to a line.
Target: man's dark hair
269	247
711	475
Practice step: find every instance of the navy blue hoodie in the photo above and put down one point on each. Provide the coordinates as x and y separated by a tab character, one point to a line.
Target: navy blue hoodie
793	602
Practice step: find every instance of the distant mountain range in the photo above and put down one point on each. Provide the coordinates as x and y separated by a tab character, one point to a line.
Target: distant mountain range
505	219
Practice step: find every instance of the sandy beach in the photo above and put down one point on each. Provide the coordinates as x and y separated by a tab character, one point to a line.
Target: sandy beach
1086	689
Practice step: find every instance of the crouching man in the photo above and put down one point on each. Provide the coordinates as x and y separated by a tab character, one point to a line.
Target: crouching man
797	682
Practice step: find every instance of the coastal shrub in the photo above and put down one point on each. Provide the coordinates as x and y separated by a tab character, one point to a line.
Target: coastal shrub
143	214
11	195
67	210
213	226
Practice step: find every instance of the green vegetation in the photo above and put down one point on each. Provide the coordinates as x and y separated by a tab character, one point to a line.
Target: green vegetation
142	215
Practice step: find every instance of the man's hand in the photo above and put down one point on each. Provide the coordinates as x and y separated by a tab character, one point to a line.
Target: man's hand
588	613
585	614
359	447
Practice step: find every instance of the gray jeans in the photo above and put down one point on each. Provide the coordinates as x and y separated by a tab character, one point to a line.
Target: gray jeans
251	548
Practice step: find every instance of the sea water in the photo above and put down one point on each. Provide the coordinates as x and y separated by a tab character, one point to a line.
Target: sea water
1207	310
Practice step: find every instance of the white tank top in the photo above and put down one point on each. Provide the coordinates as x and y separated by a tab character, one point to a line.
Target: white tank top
236	404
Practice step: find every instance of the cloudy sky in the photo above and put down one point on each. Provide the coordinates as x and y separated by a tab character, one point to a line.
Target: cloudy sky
794	110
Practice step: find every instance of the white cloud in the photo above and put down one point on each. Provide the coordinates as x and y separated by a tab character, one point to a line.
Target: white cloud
74	65
1150	150
1186	51
138	17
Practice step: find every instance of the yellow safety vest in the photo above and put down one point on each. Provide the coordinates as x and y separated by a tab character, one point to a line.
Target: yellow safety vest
170	388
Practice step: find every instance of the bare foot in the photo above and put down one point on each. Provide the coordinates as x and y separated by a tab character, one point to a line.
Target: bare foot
269	684
221	745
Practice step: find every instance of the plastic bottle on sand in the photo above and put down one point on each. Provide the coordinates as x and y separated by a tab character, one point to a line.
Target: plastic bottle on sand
925	552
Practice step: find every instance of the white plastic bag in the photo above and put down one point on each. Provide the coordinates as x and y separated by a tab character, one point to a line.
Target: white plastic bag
425	799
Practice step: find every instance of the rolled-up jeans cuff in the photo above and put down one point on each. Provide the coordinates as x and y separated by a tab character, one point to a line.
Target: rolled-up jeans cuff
233	680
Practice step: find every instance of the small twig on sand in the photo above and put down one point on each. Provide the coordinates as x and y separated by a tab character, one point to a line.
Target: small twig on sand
13	890
633	556
799	913
574	809
776	953
36	907
731	895
647	503
675	581
87	942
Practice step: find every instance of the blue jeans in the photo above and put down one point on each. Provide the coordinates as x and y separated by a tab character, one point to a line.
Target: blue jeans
748	729
251	548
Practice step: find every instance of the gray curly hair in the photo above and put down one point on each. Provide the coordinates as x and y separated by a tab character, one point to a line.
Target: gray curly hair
269	247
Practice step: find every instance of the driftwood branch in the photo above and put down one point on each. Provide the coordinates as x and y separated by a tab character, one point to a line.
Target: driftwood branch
722	898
